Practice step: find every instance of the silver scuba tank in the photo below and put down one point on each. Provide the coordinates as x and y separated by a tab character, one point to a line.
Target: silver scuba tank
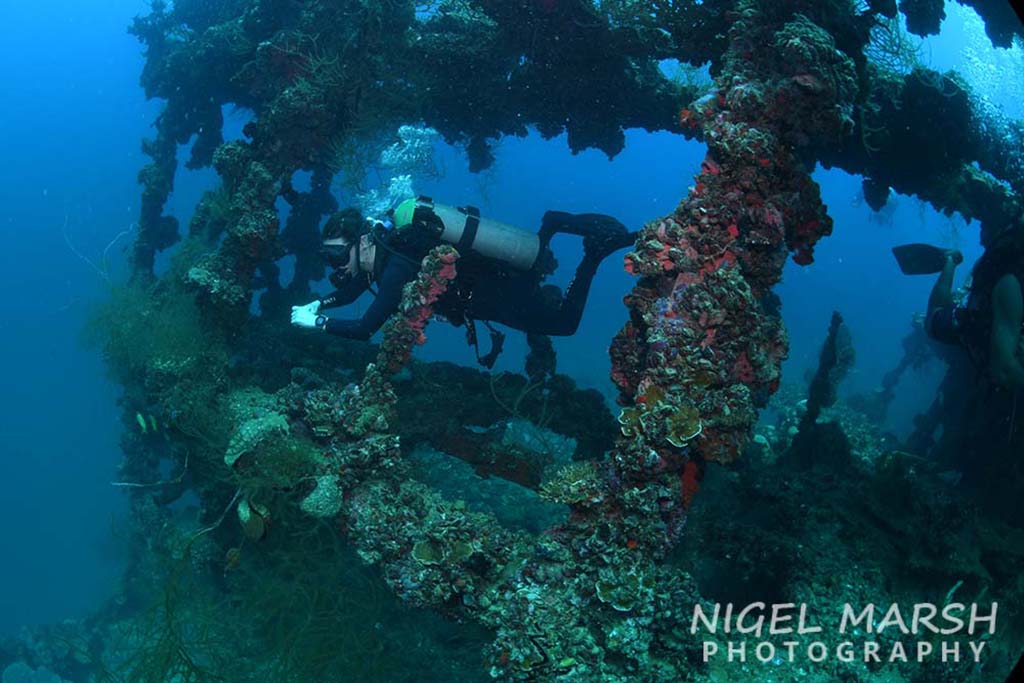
465	229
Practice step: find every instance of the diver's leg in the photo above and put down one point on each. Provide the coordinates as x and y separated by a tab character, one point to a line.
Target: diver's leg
547	311
523	305
582	224
601	234
941	297
563	318
567	320
942	293
536	309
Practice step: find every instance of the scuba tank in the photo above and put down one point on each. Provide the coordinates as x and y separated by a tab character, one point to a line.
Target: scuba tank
463	228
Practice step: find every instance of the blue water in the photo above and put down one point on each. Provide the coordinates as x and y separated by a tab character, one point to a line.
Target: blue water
71	119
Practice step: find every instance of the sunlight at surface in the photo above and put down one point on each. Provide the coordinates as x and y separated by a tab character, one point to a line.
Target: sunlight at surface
996	74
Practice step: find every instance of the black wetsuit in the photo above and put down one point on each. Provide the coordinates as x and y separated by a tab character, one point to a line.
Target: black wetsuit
982	425
970	325
513	298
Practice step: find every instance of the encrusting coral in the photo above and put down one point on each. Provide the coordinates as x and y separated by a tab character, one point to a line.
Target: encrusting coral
304	443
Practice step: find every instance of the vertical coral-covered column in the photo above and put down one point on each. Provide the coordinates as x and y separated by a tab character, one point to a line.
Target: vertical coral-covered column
405	329
704	342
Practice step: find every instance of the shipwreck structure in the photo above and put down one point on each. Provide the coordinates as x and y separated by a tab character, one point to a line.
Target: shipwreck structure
274	430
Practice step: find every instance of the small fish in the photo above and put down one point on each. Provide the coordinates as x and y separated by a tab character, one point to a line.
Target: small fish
153	425
951	477
142	422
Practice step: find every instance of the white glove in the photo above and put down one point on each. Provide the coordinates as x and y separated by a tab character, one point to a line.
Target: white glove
313	307
305	316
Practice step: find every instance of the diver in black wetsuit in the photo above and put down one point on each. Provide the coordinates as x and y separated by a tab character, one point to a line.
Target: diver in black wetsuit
990	326
499	277
980	412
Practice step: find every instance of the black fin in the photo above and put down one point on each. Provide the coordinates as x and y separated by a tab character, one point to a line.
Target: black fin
920	259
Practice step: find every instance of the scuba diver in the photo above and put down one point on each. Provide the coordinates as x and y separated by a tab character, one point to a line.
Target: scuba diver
977	405
989	325
500	272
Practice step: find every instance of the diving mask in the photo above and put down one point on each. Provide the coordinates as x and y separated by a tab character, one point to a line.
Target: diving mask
337	253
